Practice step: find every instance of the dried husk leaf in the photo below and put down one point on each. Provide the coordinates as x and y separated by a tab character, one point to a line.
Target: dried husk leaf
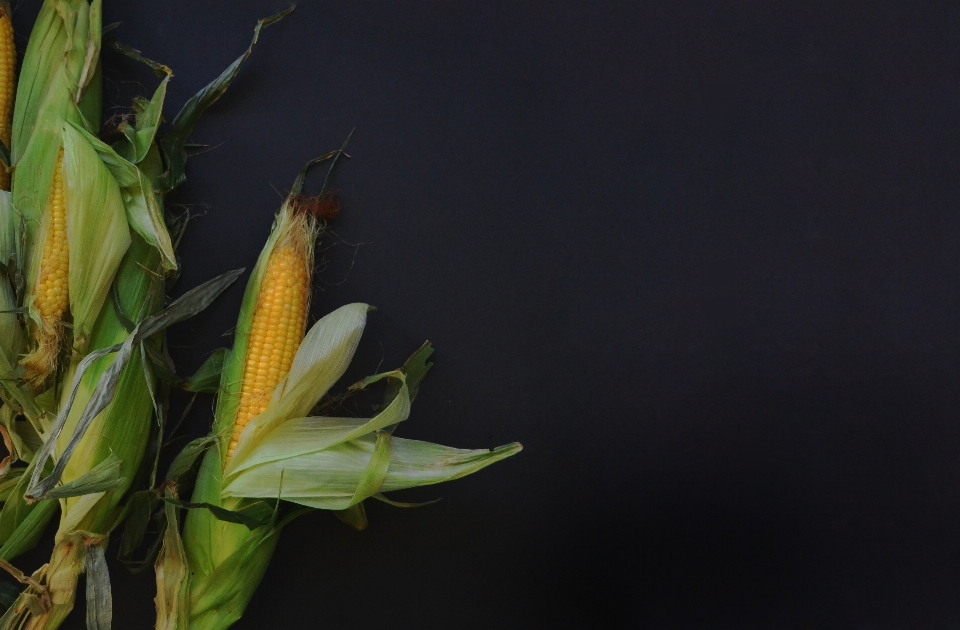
172	573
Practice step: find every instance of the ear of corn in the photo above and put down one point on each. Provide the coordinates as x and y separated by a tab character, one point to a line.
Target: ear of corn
49	284
8	69
62	59
266	442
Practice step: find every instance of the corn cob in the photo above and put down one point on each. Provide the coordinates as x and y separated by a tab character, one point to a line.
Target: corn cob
50	291
279	318
8	67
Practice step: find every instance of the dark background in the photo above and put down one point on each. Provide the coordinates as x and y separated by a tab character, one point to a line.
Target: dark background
701	258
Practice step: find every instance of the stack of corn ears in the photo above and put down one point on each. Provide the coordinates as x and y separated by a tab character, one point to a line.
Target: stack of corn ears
267	446
86	252
85	256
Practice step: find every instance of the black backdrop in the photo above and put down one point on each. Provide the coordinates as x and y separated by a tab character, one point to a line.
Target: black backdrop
700	258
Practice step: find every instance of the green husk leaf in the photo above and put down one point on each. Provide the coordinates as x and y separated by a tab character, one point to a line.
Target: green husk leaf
182	127
4	154
141	134
22	525
8	594
251	516
218	599
136	520
162	366
415	368
9	483
158	68
102	477
12	339
189	304
125	321
10	231
376	470
355	516
206	380
188	456
91	58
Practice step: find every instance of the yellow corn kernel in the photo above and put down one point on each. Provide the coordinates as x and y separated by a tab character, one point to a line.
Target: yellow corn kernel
50	292
8	64
276	331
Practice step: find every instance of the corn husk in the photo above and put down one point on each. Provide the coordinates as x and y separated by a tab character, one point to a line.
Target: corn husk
285	453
